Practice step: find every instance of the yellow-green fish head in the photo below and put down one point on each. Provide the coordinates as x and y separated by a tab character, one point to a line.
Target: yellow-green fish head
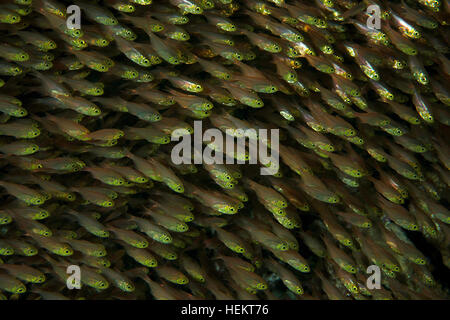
101	285
37	200
349	268
5	219
130	74
100	67
254	103
261	286
6	251
19	289
29	252
421	78
143	2
151	263
10	18
366	225
420	261
179	20
227	26
140	244
182	280
64	251
41	214
191	8
106	203
37	279
128	8
177	187
125	286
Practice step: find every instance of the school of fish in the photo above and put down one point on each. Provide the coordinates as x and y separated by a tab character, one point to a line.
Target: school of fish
86	123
